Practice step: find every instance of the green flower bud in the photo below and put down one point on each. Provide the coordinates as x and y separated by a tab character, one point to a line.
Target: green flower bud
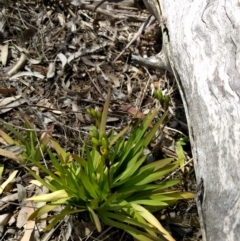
104	142
95	141
98	114
93	113
89	111
94	132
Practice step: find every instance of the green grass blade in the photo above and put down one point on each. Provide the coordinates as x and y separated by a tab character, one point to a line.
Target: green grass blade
130	169
149	202
88	185
7	138
102	128
152	220
95	219
13	131
46	184
156	165
41	211
136	233
119	135
158	175
62	154
138	221
150	135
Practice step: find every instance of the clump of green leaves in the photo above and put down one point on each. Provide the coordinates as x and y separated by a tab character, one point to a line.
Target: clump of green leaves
110	179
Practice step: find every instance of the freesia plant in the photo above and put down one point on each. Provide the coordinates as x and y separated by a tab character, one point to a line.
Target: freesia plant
110	179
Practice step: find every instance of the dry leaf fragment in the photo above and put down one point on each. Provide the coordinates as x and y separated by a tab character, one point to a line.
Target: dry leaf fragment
22	216
8	100
4	218
30	223
51	70
1	38
10	198
11	105
4	54
22	194
133	111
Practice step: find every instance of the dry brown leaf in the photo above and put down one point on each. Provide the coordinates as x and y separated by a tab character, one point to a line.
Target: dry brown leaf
7	91
133	111
39	68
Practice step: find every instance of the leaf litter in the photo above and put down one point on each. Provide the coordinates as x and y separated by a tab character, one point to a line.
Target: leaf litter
59	58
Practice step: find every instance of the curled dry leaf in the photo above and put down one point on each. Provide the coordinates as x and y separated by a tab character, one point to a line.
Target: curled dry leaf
34	61
19	65
27	73
63	59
